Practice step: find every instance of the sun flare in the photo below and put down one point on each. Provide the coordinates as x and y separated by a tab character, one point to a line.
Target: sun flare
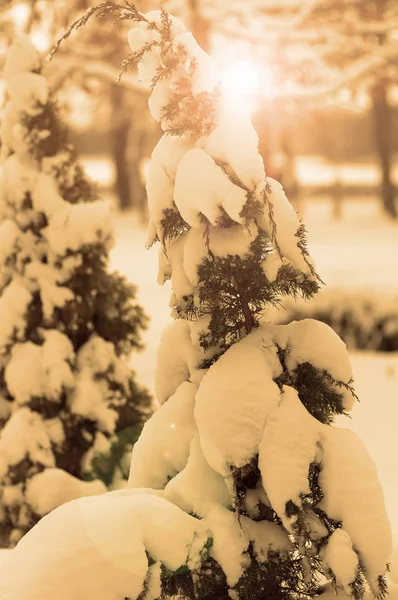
241	78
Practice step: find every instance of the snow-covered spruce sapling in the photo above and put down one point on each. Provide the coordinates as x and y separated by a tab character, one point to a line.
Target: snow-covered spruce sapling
245	431
241	487
67	325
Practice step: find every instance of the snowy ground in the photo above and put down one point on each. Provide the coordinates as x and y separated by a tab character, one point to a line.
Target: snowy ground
361	251
358	251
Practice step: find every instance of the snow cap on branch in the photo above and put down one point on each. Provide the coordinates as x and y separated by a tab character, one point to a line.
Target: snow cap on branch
106	541
22	57
353	495
239	385
288	446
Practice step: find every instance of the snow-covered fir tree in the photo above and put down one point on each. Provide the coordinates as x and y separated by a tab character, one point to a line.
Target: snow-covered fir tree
67	325
291	501
241	486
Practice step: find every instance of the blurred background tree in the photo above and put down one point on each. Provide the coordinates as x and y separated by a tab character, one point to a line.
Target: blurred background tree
321	76
106	116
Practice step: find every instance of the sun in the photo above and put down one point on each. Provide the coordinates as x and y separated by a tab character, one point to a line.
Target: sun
241	78
245	83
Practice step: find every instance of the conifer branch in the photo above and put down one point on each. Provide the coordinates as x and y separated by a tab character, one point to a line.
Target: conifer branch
268	190
126	11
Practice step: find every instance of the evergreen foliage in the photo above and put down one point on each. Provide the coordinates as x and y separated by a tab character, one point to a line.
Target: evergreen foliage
54	281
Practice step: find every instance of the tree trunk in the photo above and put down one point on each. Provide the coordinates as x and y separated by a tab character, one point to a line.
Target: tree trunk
199	26
382	123
121	125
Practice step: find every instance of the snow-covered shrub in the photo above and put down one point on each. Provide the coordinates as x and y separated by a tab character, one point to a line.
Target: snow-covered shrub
67	325
365	320
241	487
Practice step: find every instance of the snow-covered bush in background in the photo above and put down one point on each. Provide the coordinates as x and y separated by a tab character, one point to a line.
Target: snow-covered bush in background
241	487
67	326
363	319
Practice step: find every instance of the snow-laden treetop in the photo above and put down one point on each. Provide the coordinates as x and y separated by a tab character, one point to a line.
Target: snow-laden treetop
209	158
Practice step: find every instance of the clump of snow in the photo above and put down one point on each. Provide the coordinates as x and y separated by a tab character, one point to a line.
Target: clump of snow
314	525
253	497
263	337
46	197
162	449
28	92
353	495
161	175
18	177
9	234
195	252
285	220
100	357
46	368
154	581
158	99
52	487
199	331
55	430
164	267
339	556
271	265
100	445
89	399
177	359
201	186
148	65
229	543
288	447
97	364
25	436
179	280
77	225
46	277
14	302
12	495
141	33
266	536
197	487
103	554
22	57
315	342
231	241
138	37
239	385
242	158
206	76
